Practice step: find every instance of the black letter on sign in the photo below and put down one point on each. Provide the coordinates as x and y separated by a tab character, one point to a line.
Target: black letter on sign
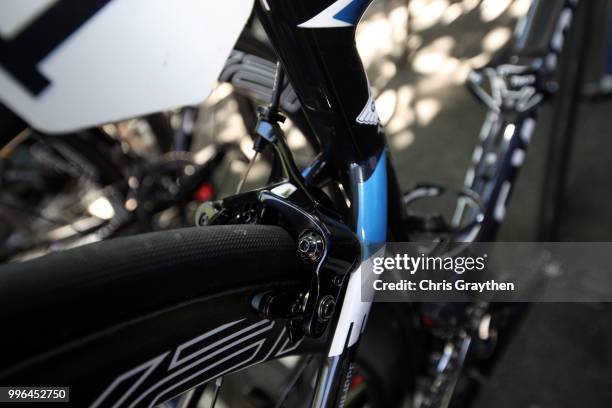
21	55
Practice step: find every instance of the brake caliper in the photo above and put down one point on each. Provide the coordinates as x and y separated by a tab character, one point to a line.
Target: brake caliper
327	248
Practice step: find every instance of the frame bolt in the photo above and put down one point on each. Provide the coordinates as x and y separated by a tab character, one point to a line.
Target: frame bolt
326	308
205	212
311	246
295	307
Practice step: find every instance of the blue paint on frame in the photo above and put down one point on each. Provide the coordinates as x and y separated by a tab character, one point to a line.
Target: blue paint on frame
372	208
352	12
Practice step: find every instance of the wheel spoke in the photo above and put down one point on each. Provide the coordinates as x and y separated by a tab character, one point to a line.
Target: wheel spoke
218	384
297	373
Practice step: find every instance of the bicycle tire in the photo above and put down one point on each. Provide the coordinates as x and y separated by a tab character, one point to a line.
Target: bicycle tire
161	299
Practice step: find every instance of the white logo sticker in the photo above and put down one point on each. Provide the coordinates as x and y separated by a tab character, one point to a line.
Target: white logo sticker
369	115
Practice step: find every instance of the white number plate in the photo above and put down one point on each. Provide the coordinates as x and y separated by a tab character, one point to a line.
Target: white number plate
70	64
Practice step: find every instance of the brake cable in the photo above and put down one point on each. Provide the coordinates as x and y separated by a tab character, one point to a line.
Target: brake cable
258	144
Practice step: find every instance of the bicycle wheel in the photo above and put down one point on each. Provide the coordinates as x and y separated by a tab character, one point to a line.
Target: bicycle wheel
180	313
50	186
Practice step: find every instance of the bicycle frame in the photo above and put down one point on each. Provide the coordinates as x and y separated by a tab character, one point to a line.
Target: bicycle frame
315	42
513	110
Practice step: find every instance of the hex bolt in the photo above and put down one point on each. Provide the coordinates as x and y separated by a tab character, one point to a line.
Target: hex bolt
326	308
311	246
295	308
337	280
205	212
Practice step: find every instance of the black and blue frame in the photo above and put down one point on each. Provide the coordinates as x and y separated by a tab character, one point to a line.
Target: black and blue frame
315	41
